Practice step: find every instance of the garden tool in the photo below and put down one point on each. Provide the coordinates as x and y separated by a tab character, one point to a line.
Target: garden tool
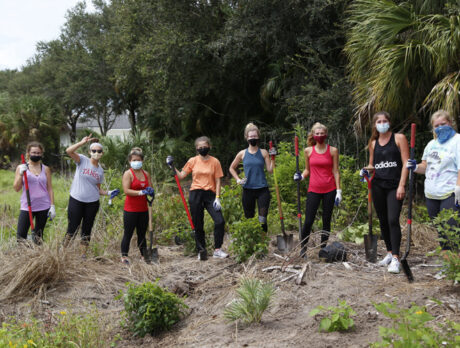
284	242
150	253
370	239
299	213
201	249
36	238
404	263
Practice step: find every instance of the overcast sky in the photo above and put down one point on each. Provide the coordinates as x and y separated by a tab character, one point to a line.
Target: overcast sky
25	22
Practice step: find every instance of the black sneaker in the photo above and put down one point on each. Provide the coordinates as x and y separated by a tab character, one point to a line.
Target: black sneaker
202	255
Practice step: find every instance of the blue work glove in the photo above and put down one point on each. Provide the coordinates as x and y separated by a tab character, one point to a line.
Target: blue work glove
169	160
113	193
298	176
411	164
362	173
147	191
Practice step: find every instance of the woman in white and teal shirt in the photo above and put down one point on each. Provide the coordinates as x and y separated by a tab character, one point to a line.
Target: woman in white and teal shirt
441	166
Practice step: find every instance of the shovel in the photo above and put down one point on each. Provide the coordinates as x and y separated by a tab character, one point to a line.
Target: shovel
303	250
284	242
35	238
404	264
370	239
151	253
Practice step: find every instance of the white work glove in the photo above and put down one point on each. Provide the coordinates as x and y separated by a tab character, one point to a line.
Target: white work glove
241	181
457	195
216	204
338	197
22	168
52	212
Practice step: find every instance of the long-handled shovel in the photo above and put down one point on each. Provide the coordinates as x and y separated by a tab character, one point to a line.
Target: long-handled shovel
404	263
370	239
299	212
284	242
201	249
150	253
35	239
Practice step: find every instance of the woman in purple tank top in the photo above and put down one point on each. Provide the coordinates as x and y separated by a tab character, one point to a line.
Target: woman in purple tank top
40	190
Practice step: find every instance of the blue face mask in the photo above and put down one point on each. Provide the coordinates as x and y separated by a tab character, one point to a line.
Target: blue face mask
382	127
444	133
136	164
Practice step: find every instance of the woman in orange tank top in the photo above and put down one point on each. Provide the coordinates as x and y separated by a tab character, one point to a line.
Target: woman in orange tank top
136	186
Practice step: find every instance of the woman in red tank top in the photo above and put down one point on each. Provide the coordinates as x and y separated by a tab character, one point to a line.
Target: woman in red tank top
322	165
136	185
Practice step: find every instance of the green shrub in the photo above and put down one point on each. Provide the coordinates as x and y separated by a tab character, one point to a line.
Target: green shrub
247	239
253	298
150	309
337	318
71	330
410	328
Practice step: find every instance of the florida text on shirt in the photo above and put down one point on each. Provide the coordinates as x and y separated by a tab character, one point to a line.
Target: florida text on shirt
90	172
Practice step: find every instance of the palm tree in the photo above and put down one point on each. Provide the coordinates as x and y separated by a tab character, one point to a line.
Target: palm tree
403	57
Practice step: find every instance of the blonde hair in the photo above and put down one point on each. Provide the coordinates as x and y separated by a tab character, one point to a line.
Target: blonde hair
374	132
310	140
203	138
446	115
136	151
34	144
249	128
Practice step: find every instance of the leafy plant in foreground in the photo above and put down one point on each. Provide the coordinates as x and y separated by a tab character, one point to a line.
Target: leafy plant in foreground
253	299
409	328
150	309
337	318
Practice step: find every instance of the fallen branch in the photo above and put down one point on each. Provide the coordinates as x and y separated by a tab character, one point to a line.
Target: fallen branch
298	281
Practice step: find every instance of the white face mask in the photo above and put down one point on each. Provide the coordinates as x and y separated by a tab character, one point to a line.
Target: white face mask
382	127
96	155
136	164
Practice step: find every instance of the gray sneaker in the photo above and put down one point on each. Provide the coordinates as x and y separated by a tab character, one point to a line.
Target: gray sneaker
219	254
386	260
394	266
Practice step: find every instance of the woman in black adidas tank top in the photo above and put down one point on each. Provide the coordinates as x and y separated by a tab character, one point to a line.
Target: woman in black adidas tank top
387	153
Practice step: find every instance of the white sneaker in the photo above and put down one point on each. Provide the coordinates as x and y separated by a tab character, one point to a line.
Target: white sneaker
386	260
219	254
394	265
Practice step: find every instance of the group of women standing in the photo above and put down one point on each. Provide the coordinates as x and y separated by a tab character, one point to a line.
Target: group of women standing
388	156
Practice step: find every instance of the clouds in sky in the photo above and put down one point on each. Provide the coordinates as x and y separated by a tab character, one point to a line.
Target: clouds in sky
25	22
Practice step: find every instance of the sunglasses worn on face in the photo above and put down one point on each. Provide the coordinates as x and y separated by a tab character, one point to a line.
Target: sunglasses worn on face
98	151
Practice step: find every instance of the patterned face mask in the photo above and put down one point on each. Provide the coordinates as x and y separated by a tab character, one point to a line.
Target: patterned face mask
444	133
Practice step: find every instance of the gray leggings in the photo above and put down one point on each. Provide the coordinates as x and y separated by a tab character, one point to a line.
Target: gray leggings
434	206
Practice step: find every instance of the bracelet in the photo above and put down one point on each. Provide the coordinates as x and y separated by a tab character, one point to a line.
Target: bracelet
217	196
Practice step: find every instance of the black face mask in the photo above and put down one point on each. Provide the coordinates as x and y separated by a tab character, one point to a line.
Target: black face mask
253	142
35	158
203	151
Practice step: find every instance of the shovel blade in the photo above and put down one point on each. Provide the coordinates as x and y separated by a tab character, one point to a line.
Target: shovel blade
370	246
407	270
285	242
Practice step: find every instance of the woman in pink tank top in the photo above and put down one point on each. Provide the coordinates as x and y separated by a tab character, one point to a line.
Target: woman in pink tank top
322	166
40	191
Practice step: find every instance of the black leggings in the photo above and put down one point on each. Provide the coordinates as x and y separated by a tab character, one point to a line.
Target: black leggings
312	205
262	196
40	218
200	200
434	206
388	209
81	213
131	221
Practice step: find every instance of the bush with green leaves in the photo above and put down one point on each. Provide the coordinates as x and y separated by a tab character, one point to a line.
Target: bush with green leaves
247	239
448	222
150	309
412	327
70	330
336	318
253	298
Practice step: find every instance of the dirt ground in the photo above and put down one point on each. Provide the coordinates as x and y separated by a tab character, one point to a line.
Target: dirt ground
209	286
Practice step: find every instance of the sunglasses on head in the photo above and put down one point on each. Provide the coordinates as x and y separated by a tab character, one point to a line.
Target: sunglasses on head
98	151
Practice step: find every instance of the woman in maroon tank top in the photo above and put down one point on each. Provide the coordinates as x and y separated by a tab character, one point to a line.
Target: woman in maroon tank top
322	166
136	185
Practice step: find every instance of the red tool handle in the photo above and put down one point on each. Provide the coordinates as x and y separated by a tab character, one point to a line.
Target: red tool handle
29	205
412	135
296	145
184	202
270	144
